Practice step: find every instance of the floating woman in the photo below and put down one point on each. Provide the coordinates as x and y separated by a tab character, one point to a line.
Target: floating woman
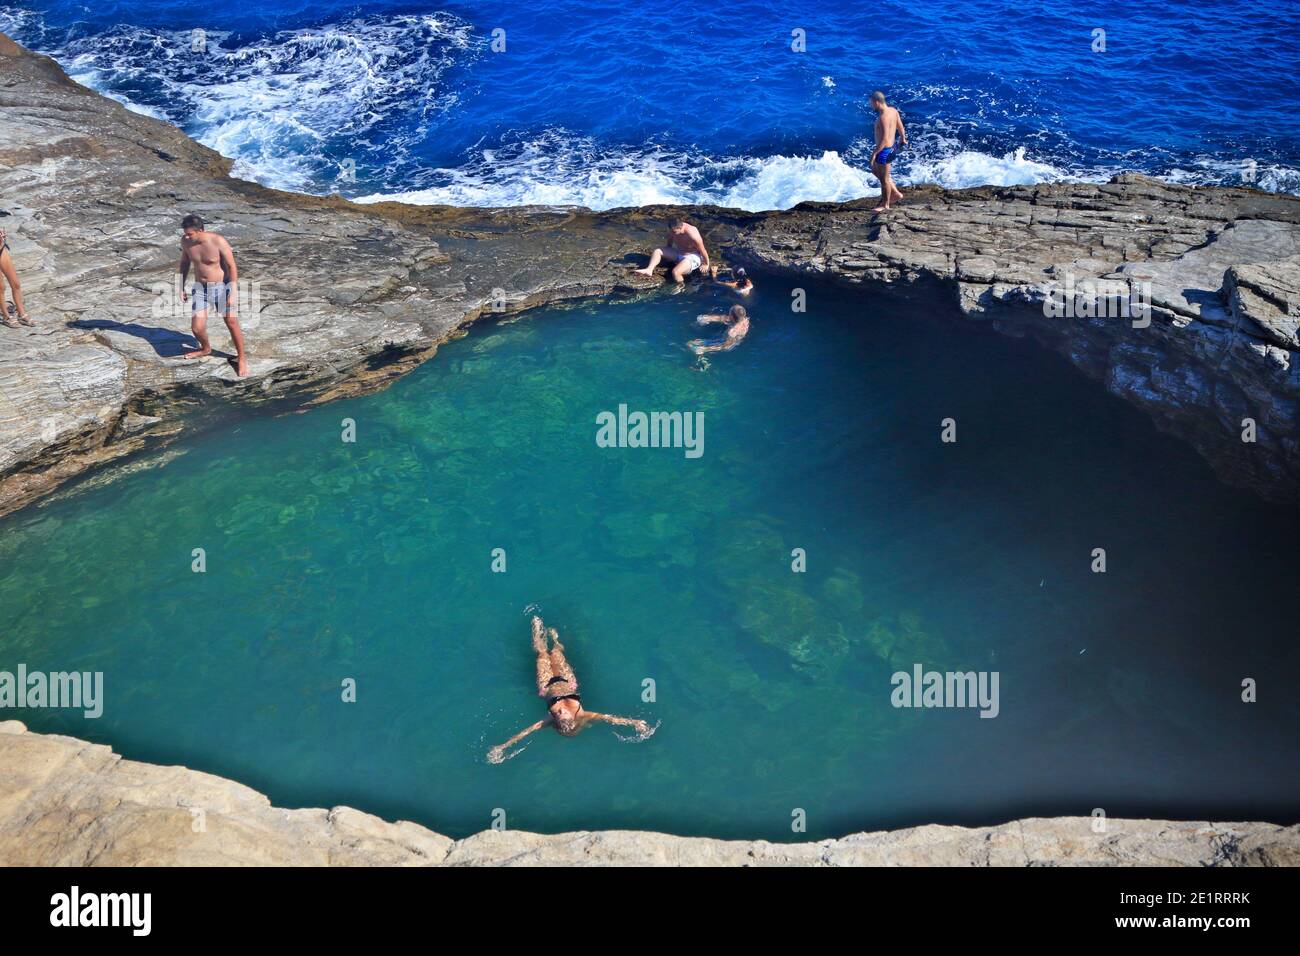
557	683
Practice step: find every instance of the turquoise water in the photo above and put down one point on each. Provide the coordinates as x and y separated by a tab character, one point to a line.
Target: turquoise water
372	560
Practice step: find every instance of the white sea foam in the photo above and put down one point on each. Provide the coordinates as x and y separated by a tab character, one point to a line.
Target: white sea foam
553	172
560	170
973	168
1213	170
14	21
287	95
272	104
779	182
143	110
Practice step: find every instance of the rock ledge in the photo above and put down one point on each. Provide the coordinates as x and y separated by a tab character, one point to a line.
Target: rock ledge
66	802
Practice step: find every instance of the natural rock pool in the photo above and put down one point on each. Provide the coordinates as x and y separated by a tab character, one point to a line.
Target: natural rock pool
372	560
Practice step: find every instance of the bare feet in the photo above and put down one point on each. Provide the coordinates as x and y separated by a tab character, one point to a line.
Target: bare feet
199	354
241	367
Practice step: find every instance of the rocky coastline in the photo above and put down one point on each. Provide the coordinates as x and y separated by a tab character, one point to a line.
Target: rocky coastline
349	297
66	802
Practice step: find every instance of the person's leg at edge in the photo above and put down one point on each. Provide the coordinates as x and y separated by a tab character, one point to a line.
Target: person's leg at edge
881	172
4	307
11	277
199	326
237	336
895	195
655	258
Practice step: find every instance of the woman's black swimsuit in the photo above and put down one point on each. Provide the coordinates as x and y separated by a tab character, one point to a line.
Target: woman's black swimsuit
561	680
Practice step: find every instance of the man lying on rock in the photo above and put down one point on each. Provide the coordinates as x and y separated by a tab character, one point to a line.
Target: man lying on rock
218	280
684	251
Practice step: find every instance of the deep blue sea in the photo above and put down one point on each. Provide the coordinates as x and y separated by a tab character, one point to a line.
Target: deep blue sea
608	104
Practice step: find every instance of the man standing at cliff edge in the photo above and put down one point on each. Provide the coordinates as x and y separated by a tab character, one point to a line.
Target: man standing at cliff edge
217	281
889	123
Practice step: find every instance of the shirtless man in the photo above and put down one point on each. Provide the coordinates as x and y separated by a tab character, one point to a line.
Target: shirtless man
889	123
217	285
737	322
684	251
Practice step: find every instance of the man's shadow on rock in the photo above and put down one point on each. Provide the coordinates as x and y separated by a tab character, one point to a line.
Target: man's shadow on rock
167	343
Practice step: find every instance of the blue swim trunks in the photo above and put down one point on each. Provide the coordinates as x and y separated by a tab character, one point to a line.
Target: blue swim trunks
885	156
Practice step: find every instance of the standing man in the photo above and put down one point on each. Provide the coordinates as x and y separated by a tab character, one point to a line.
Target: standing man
218	280
889	123
684	251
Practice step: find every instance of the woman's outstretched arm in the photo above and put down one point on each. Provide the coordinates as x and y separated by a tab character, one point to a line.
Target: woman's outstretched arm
497	753
700	346
641	726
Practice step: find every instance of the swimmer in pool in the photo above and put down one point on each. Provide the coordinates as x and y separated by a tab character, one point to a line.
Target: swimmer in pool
557	683
740	282
737	322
